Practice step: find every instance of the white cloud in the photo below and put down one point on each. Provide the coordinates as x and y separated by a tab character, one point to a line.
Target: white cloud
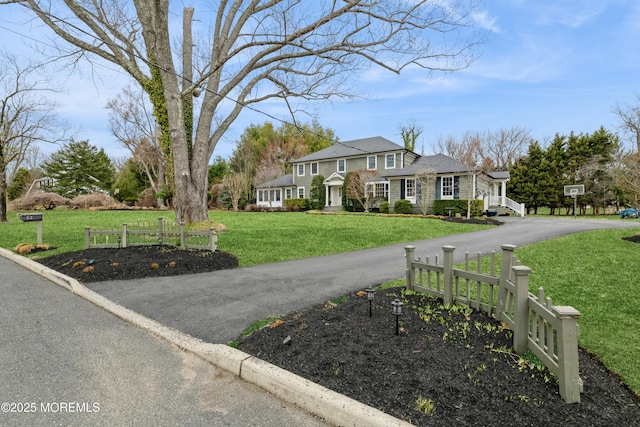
488	23
570	13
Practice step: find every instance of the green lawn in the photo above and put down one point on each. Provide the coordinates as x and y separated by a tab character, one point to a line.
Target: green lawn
595	272
256	238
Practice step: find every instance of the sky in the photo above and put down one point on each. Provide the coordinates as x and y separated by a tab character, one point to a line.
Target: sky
548	66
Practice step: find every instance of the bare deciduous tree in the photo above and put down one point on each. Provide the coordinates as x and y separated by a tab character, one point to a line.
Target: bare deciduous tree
361	187
26	116
501	148
491	150
132	123
286	50
425	180
626	177
409	133
235	183
630	117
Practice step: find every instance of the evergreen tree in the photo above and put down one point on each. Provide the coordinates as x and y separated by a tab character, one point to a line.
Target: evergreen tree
20	183
556	156
318	196
79	168
530	179
130	182
217	171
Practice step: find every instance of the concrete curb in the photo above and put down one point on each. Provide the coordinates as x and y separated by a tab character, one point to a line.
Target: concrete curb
333	407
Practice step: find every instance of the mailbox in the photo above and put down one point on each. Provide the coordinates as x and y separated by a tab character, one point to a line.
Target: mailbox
31	217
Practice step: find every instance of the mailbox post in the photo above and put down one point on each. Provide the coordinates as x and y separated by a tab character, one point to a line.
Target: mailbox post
34	217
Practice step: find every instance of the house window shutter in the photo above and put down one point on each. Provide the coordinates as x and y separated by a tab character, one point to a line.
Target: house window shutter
402	181
438	188
456	187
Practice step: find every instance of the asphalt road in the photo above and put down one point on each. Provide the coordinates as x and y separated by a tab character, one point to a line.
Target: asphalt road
67	362
216	307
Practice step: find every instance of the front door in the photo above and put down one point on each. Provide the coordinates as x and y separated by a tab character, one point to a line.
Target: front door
335	195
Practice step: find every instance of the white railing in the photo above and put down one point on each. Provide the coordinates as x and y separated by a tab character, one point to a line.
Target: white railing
507	202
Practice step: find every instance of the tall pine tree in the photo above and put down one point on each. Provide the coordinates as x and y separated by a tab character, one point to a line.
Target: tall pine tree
79	168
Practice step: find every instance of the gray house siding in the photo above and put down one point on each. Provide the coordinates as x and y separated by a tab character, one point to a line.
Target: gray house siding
405	166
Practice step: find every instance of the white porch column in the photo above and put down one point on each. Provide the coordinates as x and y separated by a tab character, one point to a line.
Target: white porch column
503	193
327	194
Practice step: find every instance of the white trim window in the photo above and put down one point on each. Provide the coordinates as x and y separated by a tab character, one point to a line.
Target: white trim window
390	161
341	165
379	190
288	193
372	163
410	189
300	169
446	187
300	192
314	168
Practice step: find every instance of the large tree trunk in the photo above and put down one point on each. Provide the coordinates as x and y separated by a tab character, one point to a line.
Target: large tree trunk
3	194
190	182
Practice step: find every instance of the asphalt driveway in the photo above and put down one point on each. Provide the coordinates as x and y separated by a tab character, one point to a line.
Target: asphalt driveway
216	307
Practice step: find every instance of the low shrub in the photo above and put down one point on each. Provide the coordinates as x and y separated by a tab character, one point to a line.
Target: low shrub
93	200
384	207
402	206
459	207
38	199
296	205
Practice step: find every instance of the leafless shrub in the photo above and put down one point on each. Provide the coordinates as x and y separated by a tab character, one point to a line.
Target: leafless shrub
38	199
147	199
93	200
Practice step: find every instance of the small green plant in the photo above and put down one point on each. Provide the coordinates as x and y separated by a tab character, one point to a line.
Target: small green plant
402	207
340	300
425	405
252	328
336	368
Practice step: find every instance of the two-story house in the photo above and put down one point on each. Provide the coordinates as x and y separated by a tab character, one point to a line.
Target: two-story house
397	168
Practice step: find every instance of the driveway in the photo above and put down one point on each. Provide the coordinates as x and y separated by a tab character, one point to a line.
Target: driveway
68	362
216	307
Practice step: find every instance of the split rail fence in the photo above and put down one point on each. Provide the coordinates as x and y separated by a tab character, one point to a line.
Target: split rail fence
549	331
144	234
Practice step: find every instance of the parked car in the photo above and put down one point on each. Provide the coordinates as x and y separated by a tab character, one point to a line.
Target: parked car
629	213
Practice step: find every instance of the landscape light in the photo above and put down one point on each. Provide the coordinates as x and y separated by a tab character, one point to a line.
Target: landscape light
397	311
370	293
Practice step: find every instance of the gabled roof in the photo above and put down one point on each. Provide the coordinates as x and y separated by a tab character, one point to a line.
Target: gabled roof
438	162
357	147
283	181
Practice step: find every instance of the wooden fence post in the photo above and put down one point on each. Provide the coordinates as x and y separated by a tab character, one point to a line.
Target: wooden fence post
505	272
182	236
568	374
160	231
124	239
87	239
521	309
447	296
409	252
213	239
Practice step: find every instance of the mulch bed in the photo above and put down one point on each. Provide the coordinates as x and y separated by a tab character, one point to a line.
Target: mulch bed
136	262
459	364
